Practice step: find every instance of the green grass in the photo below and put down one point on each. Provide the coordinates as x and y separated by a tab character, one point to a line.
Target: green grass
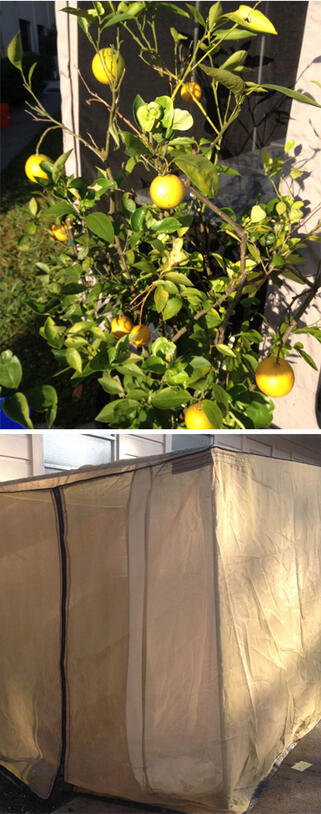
19	325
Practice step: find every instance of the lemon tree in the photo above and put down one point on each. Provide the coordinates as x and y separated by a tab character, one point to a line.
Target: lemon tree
160	302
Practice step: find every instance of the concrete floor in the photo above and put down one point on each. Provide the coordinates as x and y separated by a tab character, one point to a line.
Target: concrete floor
288	791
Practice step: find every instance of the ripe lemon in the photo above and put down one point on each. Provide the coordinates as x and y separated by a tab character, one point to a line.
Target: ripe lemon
196	418
121	326
33	168
167	191
59	232
108	66
274	378
140	335
191	91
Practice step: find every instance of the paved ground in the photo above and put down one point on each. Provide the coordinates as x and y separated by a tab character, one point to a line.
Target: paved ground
22	127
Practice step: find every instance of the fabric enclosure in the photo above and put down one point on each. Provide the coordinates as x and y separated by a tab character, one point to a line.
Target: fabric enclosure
161	624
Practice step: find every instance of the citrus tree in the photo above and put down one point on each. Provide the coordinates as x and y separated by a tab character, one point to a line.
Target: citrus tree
160	301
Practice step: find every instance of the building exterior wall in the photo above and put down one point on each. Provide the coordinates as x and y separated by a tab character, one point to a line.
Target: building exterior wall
26	455
36	13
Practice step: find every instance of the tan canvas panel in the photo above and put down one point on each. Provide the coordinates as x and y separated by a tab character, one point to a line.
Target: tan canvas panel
30	613
268	535
193	623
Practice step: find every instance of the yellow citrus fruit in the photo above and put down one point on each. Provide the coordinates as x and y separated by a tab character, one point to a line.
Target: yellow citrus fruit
190	91
167	191
33	168
108	66
196	418
121	326
140	335
59	232
274	378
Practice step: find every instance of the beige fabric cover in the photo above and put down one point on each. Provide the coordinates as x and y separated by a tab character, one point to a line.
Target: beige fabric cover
193	616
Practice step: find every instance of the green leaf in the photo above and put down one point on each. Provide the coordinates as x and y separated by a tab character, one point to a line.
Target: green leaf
234	60
233	83
178	278
182	120
201	368
101	360
252	19
31	70
134	146
137	103
176	9
177	36
172	308
170	399
221	397
101	226
16	408
166	226
154	364
256	407
59	165
42	397
221	168
214	14
128	205
164	348
58	210
33	206
14	51
137	219
266	159
312	330
129	366
225	350
10	370
201	172
293	94
305	355
160	298
74	359
111	385
213	413
234	34
295	276
289	145
257	214
107	414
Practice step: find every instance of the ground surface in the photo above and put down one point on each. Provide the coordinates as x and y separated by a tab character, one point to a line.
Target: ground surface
288	791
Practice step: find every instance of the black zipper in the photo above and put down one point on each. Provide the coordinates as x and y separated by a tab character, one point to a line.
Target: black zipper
61	534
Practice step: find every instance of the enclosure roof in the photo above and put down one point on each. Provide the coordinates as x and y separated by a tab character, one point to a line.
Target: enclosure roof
197	457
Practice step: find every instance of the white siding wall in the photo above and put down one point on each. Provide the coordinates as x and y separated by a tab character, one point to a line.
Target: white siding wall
20	456
304	448
23	455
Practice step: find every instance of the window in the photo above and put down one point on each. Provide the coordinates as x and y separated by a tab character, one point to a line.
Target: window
25	35
70	450
42	36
